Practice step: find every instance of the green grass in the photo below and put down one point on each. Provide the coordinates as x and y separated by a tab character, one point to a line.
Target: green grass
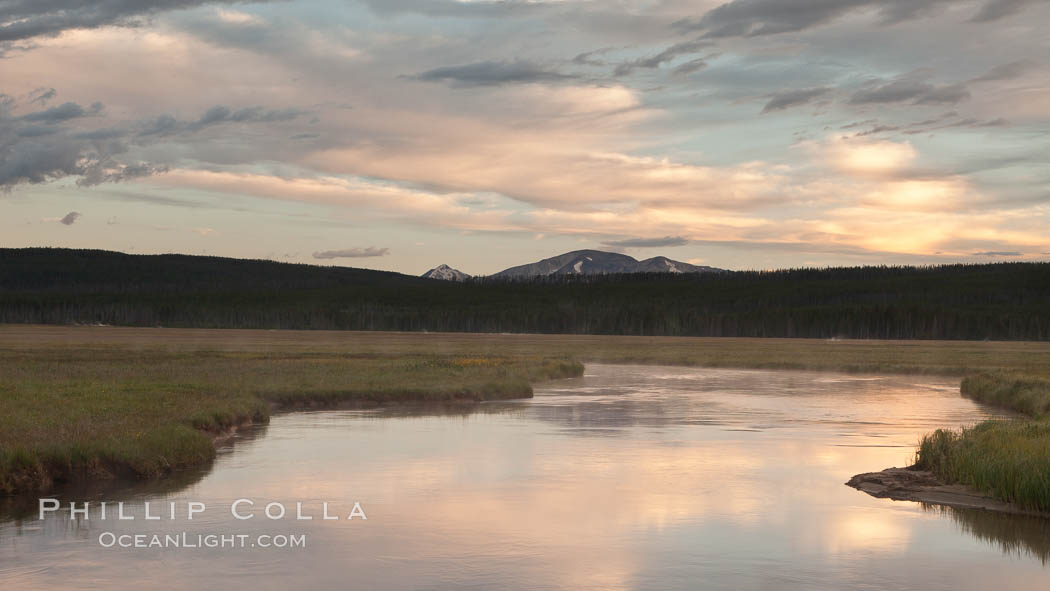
102	401
103	412
1026	394
1008	459
956	358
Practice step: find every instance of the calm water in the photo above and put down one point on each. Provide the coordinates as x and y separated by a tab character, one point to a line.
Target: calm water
627	478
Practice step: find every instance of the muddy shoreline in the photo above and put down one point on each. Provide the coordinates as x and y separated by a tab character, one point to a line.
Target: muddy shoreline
921	486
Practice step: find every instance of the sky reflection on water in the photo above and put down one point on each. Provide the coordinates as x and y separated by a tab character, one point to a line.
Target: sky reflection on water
628	478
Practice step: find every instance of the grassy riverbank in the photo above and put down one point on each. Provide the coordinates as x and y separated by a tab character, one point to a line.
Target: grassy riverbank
1008	459
99	412
1027	394
99	401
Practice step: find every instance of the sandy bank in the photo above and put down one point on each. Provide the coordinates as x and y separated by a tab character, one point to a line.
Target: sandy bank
906	484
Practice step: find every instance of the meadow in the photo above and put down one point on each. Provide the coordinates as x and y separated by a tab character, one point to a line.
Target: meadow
80	411
104	402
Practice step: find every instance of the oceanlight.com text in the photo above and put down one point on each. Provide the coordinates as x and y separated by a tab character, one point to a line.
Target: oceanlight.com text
185	540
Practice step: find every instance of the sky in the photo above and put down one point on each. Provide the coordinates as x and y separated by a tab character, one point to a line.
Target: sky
403	134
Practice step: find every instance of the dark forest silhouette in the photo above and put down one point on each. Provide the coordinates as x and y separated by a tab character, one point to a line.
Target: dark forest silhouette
1003	301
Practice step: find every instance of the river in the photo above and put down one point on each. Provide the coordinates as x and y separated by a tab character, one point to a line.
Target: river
631	477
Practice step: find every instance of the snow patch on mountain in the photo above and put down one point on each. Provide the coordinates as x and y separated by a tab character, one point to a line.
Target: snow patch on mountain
596	262
446	273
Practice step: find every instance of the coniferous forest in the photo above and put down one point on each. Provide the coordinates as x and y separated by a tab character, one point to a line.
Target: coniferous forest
1004	301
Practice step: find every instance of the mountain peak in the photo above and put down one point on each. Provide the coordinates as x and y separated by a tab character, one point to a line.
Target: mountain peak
446	273
597	262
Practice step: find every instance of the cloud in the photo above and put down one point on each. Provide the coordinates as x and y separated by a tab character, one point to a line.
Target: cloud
36	130
454	8
543	173
948	94
352	253
165	125
25	19
949	120
561	159
999	253
866	158
42	95
115	173
877	129
793	98
223	114
667	55
70	218
494	73
48	149
856	124
647	242
752	18
997	9
160	125
910	89
63	112
588	58
157	199
1008	71
872	211
690	67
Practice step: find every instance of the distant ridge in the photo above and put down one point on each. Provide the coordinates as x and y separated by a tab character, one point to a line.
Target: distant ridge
446	273
597	262
1002	301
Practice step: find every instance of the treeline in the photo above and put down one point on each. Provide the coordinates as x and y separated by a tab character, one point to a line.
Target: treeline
1004	301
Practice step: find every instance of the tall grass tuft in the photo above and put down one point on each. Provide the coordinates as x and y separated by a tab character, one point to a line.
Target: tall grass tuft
1026	394
1008	459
